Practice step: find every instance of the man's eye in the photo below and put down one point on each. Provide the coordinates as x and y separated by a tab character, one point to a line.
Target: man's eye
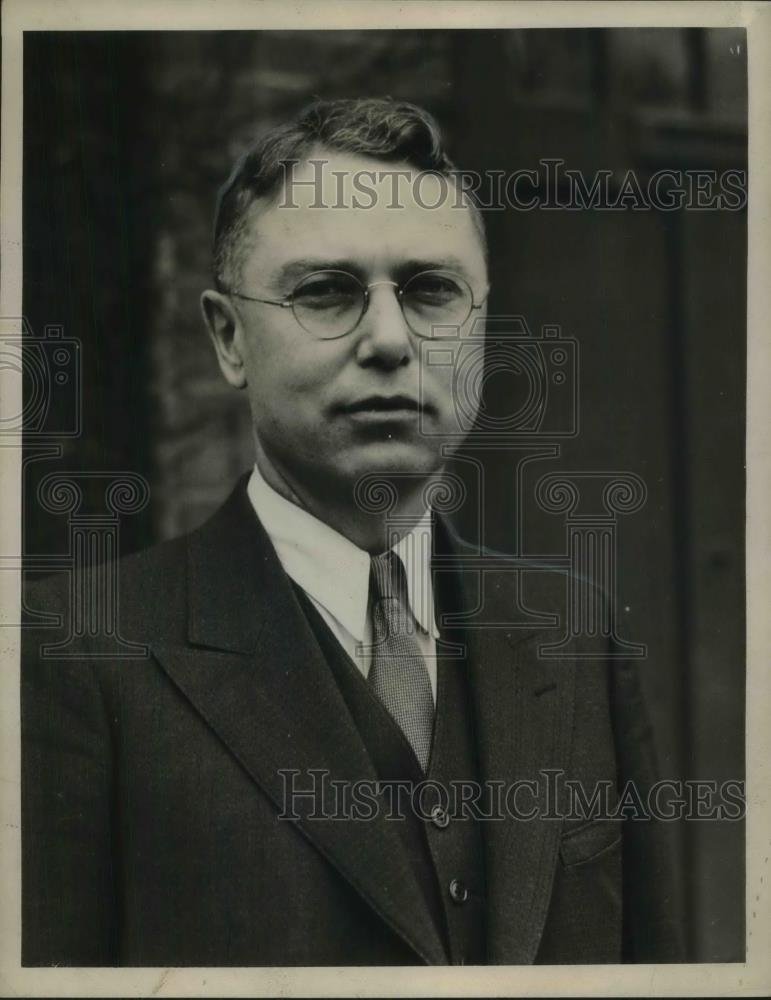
433	289
325	292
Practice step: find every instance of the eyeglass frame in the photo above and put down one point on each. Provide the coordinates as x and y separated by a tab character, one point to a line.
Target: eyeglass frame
288	301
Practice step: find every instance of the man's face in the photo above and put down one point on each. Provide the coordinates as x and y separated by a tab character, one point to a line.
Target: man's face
328	411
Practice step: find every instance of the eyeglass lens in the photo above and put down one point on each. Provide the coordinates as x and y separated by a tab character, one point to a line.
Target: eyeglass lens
330	304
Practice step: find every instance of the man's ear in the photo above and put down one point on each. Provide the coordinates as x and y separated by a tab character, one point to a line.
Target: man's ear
226	332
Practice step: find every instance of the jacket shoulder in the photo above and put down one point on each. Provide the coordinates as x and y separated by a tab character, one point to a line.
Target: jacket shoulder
142	592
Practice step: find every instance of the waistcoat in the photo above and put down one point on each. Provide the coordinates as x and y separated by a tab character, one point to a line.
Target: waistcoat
441	836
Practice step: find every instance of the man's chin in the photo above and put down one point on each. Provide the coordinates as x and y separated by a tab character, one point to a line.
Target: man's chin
394	458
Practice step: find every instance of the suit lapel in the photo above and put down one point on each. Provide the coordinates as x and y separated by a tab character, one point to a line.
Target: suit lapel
256	674
523	711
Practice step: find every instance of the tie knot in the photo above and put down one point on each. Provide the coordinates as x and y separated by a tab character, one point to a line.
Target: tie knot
388	577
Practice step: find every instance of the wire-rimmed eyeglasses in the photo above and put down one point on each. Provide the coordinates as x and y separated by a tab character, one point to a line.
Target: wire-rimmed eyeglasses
329	304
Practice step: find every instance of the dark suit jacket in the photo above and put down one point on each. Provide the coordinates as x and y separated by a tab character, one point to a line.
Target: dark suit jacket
151	788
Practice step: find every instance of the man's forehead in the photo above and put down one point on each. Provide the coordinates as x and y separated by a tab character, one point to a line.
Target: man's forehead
338	204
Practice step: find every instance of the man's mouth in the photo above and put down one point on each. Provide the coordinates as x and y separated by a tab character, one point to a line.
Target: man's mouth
384	407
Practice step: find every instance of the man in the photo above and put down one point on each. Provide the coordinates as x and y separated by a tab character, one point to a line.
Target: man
230	799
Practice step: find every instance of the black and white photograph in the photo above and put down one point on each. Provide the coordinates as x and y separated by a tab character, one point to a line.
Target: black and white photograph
376	427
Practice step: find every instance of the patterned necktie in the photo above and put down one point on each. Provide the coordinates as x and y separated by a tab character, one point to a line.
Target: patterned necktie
398	673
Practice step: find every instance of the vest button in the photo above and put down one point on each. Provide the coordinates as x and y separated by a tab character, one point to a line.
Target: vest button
439	817
458	891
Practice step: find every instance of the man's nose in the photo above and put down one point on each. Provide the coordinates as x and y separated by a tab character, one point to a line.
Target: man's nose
384	336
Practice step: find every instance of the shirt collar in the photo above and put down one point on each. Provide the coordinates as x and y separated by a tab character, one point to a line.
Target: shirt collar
334	571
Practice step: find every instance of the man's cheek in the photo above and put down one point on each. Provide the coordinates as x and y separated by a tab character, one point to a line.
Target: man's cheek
441	394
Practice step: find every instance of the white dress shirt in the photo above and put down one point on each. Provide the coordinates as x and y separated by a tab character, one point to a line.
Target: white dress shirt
334	573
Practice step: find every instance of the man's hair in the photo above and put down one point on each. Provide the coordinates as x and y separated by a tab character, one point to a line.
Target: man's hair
393	131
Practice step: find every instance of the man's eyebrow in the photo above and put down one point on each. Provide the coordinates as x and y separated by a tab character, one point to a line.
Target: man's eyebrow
442	263
298	268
